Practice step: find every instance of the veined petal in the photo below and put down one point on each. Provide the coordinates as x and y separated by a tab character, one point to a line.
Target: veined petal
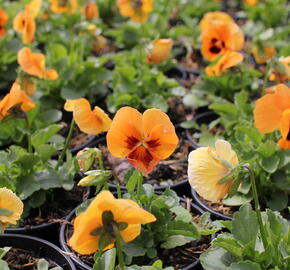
225	151
161	139
204	173
125	133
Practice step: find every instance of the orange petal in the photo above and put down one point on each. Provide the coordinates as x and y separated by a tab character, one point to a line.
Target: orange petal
285	125
142	160
125	132
161	139
90	122
69	105
131	232
51	74
267	122
214	16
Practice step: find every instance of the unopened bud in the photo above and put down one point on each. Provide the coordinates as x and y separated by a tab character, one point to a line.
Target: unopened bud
87	158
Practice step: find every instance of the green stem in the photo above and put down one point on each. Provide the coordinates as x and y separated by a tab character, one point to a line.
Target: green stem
119	248
266	76
139	186
28	134
257	205
119	193
67	141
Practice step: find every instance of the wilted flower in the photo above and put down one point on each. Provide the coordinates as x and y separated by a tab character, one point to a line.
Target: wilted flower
34	64
16	97
28	85
11	207
3	21
159	50
24	24
262	55
88	120
272	112
229	59
143	139
207	166
219	38
64	6
209	17
102	218
281	72
91	11
137	10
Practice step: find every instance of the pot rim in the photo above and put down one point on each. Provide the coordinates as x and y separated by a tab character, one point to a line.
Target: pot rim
44	243
200	203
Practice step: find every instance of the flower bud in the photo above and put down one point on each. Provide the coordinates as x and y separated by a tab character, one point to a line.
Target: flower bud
95	178
87	157
159	50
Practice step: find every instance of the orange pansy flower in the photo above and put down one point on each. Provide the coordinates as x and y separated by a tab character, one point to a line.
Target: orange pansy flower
89	121
64	6
267	53
282	76
24	24
219	38
159	50
143	139
137	10
121	211
229	59
99	43
33	7
277	102
91	11
15	97
209	17
34	64
3	21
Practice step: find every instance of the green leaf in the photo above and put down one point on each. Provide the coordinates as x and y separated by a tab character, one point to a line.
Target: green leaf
245	225
42	136
227	108
181	214
216	258
133	180
4	251
42	264
278	200
244	265
52	115
106	261
5	212
267	148
134	250
4	265
175	241
227	242
269	164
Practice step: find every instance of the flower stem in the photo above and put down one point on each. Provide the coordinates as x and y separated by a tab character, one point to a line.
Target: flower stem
67	141
28	134
257	205
119	193
139	186
119	248
266	76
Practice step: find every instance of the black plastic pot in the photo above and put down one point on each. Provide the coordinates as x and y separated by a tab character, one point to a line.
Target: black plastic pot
202	205
81	265
38	246
48	230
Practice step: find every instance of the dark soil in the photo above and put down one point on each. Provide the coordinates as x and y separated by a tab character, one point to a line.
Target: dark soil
60	205
23	259
220	207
